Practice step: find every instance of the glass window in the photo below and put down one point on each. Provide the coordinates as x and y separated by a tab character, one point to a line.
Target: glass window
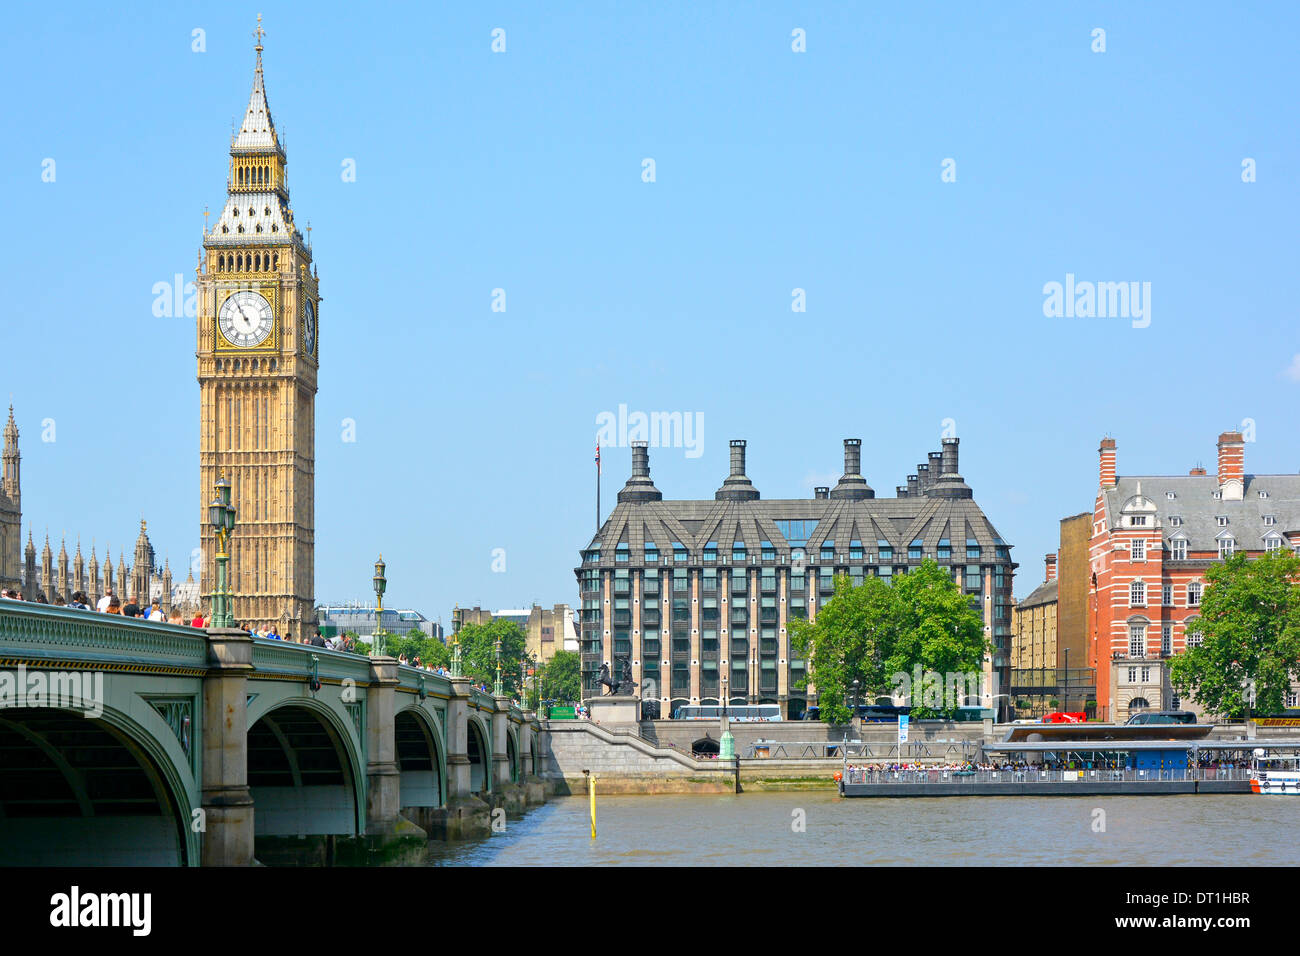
651	553
1226	546
1137	550
711	552
1194	594
738	552
1137	594
1178	549
1167	594
620	554
886	550
945	549
914	550
1166	639
855	550
1137	640
769	552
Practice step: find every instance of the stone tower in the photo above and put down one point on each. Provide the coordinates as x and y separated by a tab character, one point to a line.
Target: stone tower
257	363
11	512
142	572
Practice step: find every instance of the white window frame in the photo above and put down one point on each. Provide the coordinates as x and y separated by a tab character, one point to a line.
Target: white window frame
1194	592
1137	593
1137	550
1137	640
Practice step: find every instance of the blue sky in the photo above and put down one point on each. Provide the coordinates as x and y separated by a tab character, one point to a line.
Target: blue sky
775	170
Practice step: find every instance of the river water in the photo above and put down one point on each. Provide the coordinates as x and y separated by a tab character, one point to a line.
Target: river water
762	829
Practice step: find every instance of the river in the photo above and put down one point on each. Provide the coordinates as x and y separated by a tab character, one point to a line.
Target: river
762	829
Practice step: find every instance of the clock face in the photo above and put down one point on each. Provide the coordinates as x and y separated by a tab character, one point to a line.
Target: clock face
309	327
245	319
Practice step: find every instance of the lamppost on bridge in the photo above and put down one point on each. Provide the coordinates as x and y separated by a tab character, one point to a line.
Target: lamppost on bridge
498	689
221	515
455	643
381	585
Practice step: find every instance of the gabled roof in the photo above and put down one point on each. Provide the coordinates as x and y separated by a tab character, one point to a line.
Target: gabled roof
1195	504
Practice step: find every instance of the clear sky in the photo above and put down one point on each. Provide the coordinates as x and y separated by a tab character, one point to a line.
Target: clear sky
774	170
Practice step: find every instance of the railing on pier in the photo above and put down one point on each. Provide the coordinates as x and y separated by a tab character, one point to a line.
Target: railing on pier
861	776
930	750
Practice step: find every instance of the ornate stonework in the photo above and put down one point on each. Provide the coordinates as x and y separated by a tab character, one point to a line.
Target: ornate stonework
257	363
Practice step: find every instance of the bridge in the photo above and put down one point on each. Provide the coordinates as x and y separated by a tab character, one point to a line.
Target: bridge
129	742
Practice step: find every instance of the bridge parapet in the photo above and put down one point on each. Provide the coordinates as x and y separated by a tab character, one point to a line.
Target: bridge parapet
39	632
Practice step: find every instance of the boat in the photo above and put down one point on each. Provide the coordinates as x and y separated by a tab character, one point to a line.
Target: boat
1274	775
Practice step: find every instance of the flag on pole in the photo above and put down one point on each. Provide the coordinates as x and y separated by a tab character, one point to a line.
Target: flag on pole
598	458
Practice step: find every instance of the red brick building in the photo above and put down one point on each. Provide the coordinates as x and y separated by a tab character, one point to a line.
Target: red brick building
1153	537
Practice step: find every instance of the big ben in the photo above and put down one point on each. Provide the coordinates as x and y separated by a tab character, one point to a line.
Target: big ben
257	356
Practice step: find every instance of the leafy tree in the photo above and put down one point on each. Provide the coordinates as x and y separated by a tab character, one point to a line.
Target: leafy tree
877	629
1250	627
562	678
478	652
935	628
415	643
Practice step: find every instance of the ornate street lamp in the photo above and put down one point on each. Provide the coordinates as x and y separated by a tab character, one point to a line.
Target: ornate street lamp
221	515
381	585
497	687
455	643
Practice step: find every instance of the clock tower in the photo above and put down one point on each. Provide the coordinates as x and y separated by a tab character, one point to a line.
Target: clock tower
258	303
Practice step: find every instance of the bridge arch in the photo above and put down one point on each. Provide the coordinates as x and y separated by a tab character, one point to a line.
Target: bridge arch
512	755
100	791
305	770
420	758
479	749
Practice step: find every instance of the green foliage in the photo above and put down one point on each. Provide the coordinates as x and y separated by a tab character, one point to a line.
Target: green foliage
415	643
1250	623
876	630
478	653
562	678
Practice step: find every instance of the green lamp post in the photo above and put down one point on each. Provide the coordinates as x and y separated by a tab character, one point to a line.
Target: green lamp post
221	515
497	688
381	585
455	643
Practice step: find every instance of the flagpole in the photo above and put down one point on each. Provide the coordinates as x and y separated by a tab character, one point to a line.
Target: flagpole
598	487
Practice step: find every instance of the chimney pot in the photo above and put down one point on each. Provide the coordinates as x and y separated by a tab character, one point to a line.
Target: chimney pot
1106	466
1051	567
948	457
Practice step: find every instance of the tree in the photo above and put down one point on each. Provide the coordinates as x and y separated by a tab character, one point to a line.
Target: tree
562	678
938	632
478	652
1250	629
877	631
415	643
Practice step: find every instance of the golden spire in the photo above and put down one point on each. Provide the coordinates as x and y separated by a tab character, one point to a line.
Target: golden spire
259	33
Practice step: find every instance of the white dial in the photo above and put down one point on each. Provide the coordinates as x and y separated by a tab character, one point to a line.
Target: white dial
309	327
246	319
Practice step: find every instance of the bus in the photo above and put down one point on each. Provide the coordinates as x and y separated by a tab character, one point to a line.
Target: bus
741	713
868	713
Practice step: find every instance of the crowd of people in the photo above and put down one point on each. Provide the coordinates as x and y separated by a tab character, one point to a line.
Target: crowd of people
110	603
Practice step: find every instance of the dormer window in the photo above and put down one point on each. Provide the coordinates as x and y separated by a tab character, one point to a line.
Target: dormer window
1175	521
1221	520
1137	521
235	212
1263	494
1227	545
266	211
1170	495
1218	495
1272	544
1270	519
1178	549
